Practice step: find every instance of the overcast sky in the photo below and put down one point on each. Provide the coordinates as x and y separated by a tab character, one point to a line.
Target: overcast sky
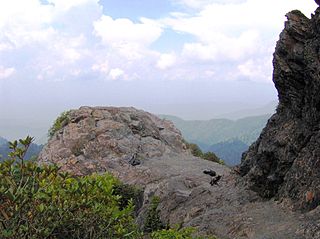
59	54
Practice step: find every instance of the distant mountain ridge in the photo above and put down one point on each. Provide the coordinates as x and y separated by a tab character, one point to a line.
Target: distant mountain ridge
267	109
222	136
33	150
230	151
214	131
37	125
3	140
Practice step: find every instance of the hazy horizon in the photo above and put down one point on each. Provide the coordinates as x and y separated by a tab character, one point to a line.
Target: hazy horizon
196	59
37	125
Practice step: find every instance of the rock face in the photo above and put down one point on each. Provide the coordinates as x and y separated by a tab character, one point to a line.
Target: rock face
285	161
103	139
138	148
141	149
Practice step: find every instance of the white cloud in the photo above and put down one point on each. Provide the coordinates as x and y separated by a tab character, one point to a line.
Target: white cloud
123	31
101	67
128	39
72	46
166	60
65	5
268	6
203	3
43	41
222	47
232	19
50	46
256	69
29	13
116	73
22	22
233	33
6	72
70	49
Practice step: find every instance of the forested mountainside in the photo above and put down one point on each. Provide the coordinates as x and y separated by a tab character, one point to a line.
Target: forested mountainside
227	138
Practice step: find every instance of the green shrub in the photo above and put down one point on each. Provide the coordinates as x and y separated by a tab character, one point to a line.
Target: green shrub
210	156
59	123
185	233
153	221
158	230
42	202
197	152
129	193
39	202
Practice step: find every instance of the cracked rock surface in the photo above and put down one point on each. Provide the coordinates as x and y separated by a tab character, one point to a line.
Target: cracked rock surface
141	149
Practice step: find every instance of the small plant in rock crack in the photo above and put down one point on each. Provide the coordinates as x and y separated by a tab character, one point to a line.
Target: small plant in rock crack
153	221
59	123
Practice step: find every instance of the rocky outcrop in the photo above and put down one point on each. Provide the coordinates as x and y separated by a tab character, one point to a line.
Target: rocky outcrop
283	164
107	138
141	149
285	161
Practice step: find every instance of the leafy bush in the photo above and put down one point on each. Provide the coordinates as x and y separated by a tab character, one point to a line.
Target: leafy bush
210	156
153	221
129	194
32	152
59	123
185	233
158	230
197	152
41	202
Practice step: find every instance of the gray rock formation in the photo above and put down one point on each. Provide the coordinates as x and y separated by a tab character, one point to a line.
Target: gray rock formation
103	139
141	149
285	161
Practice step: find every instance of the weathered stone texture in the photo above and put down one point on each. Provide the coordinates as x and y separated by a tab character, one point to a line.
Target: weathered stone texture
285	161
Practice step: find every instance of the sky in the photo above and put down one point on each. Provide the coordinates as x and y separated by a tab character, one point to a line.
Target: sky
158	55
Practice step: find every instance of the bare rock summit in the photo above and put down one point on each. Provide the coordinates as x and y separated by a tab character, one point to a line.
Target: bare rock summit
143	150
101	139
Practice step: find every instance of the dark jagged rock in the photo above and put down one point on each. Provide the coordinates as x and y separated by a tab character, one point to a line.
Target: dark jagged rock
285	160
134	161
215	180
210	172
